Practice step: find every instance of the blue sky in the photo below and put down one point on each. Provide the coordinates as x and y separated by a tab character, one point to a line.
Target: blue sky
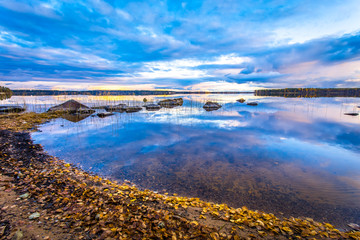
194	45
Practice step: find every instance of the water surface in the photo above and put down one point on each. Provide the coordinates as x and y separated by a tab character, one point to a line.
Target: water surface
295	156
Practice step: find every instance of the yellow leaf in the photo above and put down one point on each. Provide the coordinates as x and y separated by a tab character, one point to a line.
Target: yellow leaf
194	222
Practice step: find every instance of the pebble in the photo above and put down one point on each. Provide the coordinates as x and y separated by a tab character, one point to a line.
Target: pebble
354	226
2	230
34	216
25	195
18	235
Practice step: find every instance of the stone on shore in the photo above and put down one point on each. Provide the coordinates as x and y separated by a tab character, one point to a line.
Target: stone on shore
71	106
211	106
34	216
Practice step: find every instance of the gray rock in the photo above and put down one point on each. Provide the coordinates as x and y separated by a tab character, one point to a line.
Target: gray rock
152	107
34	216
133	109
116	108
25	195
72	106
171	103
211	106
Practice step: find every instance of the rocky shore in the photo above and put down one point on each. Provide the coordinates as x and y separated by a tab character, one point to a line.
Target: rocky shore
43	197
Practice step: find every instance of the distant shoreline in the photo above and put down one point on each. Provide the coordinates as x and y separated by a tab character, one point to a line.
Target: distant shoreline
113	92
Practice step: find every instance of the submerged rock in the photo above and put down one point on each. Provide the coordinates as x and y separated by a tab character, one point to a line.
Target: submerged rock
152	107
354	226
71	106
241	100
133	109
171	103
211	106
352	114
252	103
116	108
105	114
11	109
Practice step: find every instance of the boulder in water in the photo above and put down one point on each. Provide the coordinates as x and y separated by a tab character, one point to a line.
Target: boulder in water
11	109
116	108
152	107
241	100
132	109
71	106
171	103
211	106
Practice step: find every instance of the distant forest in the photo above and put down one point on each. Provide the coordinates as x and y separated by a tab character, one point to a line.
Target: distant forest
309	92
5	93
111	92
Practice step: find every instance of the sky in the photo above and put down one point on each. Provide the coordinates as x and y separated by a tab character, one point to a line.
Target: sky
228	45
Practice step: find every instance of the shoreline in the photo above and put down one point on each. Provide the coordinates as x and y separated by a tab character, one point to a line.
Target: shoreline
84	204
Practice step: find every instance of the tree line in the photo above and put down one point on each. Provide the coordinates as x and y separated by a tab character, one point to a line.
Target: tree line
5	93
309	92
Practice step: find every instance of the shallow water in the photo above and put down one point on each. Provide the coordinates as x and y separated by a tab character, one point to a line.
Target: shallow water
295	156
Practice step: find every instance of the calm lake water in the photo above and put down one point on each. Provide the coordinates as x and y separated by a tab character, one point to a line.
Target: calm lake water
290	156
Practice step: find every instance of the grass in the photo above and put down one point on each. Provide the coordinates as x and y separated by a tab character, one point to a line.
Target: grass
25	121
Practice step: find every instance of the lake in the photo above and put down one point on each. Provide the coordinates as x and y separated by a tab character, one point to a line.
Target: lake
288	156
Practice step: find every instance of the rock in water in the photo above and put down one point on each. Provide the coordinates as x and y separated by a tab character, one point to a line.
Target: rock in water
241	100
71	106
133	109
152	107
116	108
351	114
11	109
171	103
211	106
252	104
34	216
